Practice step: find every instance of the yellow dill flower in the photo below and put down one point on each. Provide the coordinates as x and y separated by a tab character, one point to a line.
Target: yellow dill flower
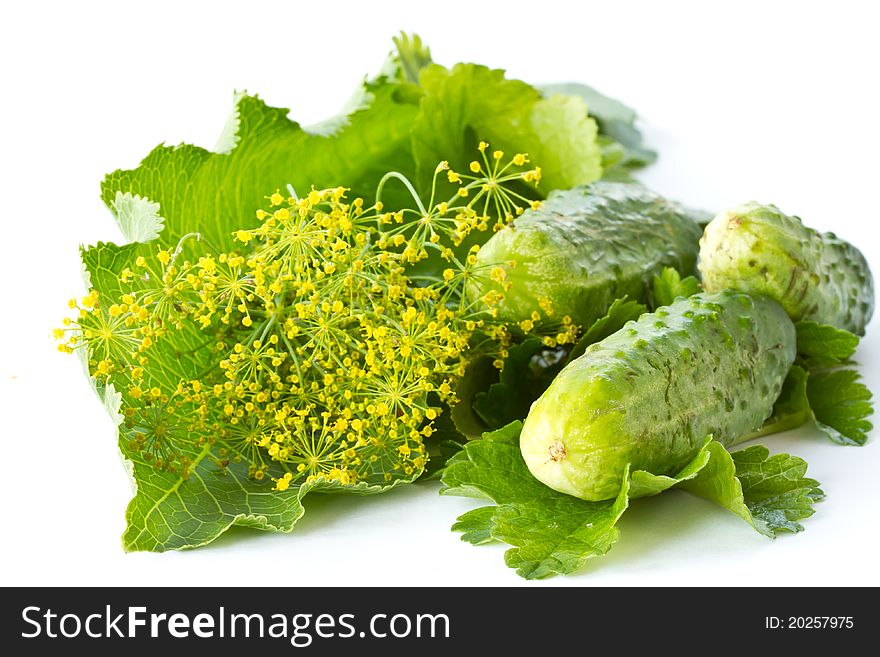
90	300
283	483
498	274
322	354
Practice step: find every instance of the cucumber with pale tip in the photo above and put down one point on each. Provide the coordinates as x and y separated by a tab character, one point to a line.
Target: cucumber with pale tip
648	396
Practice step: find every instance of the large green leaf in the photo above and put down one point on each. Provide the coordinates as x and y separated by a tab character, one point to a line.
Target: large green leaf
216	193
823	345
471	103
168	510
841	405
836	401
553	533
616	122
182	190
170	513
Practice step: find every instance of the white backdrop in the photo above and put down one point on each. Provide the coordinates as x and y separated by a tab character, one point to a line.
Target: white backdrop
776	102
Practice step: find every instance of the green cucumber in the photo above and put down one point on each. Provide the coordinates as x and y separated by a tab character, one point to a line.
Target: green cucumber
815	276
649	395
585	247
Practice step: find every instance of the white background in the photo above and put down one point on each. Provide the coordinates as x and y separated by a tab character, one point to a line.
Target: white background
776	102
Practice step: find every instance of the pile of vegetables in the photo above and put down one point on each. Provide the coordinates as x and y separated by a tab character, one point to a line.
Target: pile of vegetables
659	399
460	280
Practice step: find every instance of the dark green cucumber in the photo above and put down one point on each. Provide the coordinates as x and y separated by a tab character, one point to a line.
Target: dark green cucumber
649	395
585	247
816	276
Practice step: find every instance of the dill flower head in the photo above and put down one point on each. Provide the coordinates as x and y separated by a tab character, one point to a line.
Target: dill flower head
320	355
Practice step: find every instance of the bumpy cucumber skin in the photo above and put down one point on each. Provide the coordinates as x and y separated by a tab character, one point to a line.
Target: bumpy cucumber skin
816	276
587	246
650	394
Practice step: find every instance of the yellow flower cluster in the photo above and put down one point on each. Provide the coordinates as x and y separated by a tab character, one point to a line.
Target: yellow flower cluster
323	356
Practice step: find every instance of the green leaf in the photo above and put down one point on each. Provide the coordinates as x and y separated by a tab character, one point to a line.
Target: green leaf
835	401
104	262
492	468
559	534
137	218
410	56
616	121
612	155
717	482
181	190
818	390
822	345
669	285
769	492
170	511
645	484
476	525
775	490
553	533
528	370
841	405
216	193
471	103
